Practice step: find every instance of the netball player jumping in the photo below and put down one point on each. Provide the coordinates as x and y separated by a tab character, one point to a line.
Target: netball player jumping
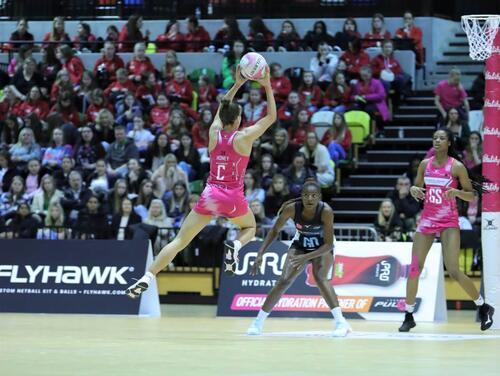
313	242
441	175
223	195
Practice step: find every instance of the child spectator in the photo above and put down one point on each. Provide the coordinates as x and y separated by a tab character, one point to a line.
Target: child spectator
338	138
177	204
257	209
117	90
176	127
106	67
14	197
207	93
167	70
53	156
349	31
266	170
197	38
139	64
61	85
288	39
97	102
34	104
378	32
276	195
297	173
33	178
127	110
230	61
323	65
48	68
253	191
200	129
255	109
355	58
337	95
141	137
179	89
71	63
317	155
300	126
172	39
309	92
148	90
66	108
281	84
88	151
288	110
160	113
84	41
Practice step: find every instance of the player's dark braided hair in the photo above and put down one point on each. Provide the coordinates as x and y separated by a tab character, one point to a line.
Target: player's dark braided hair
478	181
308	182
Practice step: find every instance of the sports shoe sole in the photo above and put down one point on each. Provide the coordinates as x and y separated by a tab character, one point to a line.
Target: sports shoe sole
142	286
410	326
489	323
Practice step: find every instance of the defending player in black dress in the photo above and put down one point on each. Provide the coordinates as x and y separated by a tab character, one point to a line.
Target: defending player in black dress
313	242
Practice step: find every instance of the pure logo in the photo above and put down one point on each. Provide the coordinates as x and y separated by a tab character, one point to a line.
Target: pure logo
269	260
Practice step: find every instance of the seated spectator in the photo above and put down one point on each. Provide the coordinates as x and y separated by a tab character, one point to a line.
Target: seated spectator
131	34
99	181
58	34
259	37
405	205
92	222
34	104
317	36
207	93
10	200
145	197
98	102
54	224
297	174
281	149
177	204
16	63
65	106
139	64
103	129
309	92
75	196
369	95
300	126
230	62
127	110
33	122
157	216
355	58
62	84
188	157
23	224
7	171
121	223
200	129
473	153
410	31
338	139
116	195
289	109
228	34
160	113
459	128
120	152
280	83
266	171
106	67
388	225
11	104
337	95
135	175
378	32
53	155
84	89
167	174
451	94
252	189
317	155
71	63
21	37
477	92
47	194
112	34
257	209
25	149
179	89
176	127
288	39
197	38
8	136
148	90
156	152
24	79
141	137
255	109
61	176
323	65
84	41
172	39
48	68
276	195
349	31
388	69
117	90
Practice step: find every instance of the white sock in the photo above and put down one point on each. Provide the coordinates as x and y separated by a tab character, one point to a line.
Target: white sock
237	245
409	308
337	314
149	276
479	301
262	315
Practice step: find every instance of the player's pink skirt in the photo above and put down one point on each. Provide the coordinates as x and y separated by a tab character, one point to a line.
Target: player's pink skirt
428	226
215	200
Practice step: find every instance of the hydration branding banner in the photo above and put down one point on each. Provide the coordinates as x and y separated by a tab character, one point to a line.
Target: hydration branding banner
369	279
67	276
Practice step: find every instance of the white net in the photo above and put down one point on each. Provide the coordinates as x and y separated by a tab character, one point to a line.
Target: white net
481	31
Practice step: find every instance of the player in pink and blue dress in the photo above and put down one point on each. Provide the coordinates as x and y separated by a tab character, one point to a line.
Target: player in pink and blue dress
223	195
442	174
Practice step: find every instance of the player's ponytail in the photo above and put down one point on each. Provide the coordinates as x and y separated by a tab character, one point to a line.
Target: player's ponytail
478	181
229	111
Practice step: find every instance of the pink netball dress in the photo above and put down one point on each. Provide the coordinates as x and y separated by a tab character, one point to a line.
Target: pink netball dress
223	196
439	212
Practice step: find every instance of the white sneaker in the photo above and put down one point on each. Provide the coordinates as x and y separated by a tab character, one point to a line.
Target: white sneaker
138	288
256	328
341	329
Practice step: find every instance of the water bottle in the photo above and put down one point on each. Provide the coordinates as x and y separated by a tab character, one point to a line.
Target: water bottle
210	8
197	13
401	132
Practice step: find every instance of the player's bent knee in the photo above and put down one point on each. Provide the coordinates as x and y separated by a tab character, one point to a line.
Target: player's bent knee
415	267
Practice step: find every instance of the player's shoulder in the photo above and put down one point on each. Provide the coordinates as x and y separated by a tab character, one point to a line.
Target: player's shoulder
457	165
425	162
327	209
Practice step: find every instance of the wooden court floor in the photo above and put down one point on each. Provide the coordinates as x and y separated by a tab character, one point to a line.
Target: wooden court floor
189	340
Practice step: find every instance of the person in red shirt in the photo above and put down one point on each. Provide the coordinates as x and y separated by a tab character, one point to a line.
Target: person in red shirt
200	129
389	71
71	63
179	89
84	40
451	94
160	113
228	33
197	38
61	84
10	105
139	64
280	83
378	33
337	95
58	35
34	104
410	31
259	37
131	34
289	109
309	92
97	102
207	94
106	66
297	133
171	61
338	133
355	58
66	108
148	90
120	87
172	39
